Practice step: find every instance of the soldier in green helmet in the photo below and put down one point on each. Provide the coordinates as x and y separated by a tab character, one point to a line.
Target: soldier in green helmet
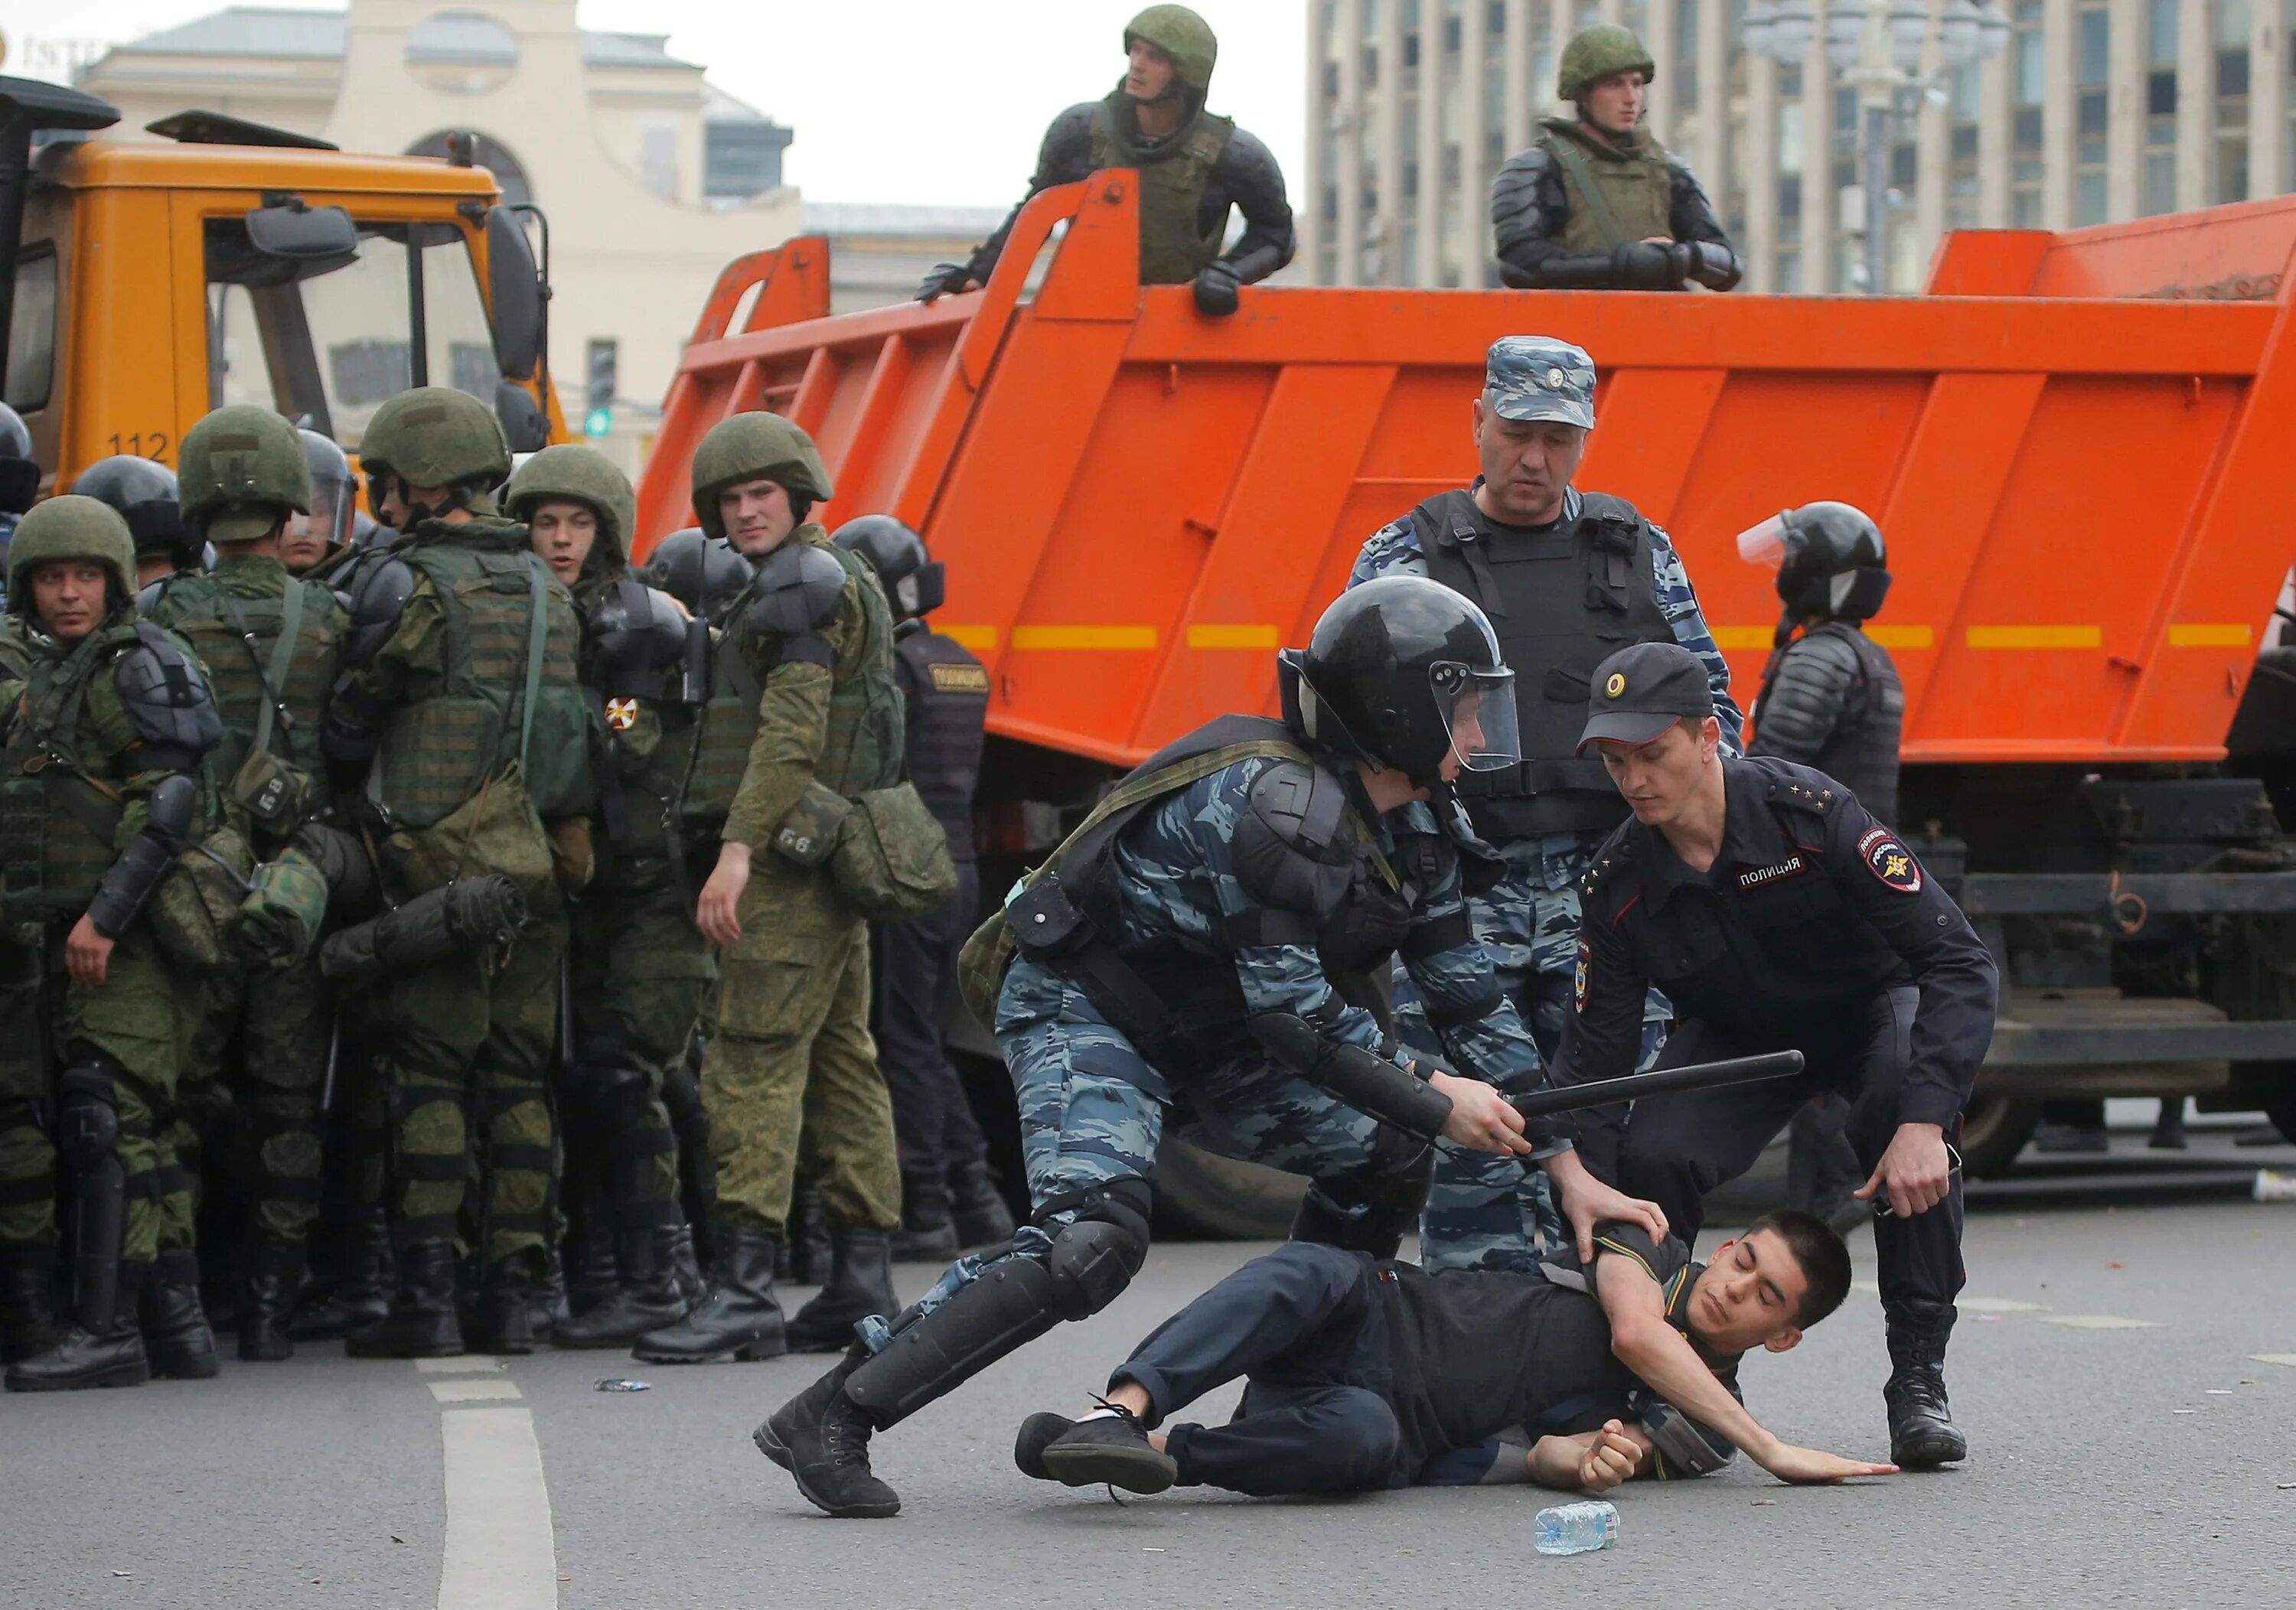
271	644
107	730
639	967
1193	166
810	707
459	727
1596	203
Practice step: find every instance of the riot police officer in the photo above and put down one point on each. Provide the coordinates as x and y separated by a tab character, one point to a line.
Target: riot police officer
1193	166
1596	203
1566	576
460	721
313	538
269	642
1204	938
145	495
949	1196
638	966
1777	914
107	732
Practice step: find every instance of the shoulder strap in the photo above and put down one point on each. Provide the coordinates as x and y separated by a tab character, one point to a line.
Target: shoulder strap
538	638
1584	190
1447	530
283	658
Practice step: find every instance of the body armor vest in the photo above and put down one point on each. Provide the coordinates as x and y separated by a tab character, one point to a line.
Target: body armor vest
1562	601
948	693
60	781
510	627
1173	242
218	621
1617	197
1863	752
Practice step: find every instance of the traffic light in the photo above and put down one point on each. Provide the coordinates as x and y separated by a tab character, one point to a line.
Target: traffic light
603	360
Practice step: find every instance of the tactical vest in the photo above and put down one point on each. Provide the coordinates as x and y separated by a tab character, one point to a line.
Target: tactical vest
59	783
648	750
1563	602
1863	752
245	675
1173	242
864	751
1617	197
510	691
948	693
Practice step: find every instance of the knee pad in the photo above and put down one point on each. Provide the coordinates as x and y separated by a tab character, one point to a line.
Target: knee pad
87	1114
1096	1254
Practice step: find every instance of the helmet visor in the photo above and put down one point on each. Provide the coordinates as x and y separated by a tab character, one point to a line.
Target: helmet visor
334	500
1478	709
1764	544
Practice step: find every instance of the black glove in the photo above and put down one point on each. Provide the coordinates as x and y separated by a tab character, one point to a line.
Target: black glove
1647	265
1215	288
944	280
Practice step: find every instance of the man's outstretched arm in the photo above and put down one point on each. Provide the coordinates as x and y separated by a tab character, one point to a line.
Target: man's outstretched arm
1661	1357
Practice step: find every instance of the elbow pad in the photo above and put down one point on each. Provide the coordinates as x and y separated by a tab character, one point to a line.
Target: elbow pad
1645	265
1714	265
798	589
1364	1080
126	889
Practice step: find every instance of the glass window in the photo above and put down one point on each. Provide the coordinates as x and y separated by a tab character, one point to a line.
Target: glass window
32	331
2232	24
2232	169
2088	196
2029	67
2093	45
2160	33
2160	183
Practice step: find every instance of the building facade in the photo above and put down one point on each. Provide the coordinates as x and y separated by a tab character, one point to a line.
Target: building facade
2096	111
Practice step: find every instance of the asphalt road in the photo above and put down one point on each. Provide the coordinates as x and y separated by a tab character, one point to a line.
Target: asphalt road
2129	1448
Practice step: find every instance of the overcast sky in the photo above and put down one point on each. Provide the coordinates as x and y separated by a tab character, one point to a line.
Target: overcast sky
920	101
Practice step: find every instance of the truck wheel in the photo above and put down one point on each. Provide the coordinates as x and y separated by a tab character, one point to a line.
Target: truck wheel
1993	1131
1200	1193
2280	1107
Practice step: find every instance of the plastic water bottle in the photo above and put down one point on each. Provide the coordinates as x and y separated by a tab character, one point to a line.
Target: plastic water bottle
1575	1528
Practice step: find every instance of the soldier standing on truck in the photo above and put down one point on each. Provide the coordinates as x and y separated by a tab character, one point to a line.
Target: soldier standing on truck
1566	577
1596	203
1193	166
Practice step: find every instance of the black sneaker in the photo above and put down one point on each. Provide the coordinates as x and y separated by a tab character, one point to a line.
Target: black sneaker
1110	1448
1037	1433
1922	1431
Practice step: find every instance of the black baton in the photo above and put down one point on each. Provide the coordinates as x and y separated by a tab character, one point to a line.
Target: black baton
1659	1082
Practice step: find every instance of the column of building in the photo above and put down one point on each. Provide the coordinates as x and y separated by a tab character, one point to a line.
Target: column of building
2267	99
1347	260
1818	191
1307	200
1475	173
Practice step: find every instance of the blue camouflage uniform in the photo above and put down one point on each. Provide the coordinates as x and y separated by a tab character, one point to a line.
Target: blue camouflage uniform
1093	1106
1482	1213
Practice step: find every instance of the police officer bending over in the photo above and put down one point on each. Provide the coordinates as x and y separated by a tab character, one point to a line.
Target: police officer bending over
1193	166
1775	912
1596	203
1203	939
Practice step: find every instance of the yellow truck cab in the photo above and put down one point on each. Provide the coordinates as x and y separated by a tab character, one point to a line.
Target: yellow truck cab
243	264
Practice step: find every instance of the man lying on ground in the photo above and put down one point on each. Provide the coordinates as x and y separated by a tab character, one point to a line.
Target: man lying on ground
1366	1373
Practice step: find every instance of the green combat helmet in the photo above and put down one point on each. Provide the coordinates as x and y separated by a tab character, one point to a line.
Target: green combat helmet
70	526
242	470
435	436
1594	53
572	473
1183	35
752	447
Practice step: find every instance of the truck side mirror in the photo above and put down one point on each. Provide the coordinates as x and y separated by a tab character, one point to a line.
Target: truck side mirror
524	425
515	292
302	234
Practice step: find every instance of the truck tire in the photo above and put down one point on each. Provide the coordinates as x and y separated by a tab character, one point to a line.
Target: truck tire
1201	1194
1993	1131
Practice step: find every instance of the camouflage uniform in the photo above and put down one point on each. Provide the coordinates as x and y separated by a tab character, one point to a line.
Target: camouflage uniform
1482	1213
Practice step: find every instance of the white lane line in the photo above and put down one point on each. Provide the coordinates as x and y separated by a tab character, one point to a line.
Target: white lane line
2099	1322
1974	1304
472	1364
2288	1359
499	1554
471	1392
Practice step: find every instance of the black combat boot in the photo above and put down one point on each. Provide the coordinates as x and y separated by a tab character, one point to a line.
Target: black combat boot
738	1317
512	1289
686	1263
808	1238
548	1305
591	1278
821	1437
361	1296
982	1217
928	1234
860	1284
28	1324
421	1322
102	1346
648	1299
1922	1431
176	1338
267	1302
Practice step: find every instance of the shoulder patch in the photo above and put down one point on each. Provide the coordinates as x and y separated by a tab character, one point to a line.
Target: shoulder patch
1578	975
959	679
1890	861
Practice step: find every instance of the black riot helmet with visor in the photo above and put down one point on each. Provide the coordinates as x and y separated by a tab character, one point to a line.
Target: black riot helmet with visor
1404	673
912	579
1829	560
334	493
144	493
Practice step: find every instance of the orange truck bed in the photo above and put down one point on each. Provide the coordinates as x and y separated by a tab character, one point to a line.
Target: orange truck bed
2079	446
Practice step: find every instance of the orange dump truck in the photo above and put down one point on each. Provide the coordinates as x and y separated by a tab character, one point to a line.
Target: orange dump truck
2079	446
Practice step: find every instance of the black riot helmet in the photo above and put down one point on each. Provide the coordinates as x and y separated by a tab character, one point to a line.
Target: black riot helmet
1829	558
20	476
700	571
1403	673
144	493
913	580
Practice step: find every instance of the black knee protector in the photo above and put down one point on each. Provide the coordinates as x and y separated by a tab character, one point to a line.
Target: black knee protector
1008	1306
1368	1208
1096	1254
87	1115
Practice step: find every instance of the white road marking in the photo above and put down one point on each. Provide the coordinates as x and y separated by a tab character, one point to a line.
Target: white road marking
470	1391
1974	1304
499	1554
2099	1322
2288	1359
472	1364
